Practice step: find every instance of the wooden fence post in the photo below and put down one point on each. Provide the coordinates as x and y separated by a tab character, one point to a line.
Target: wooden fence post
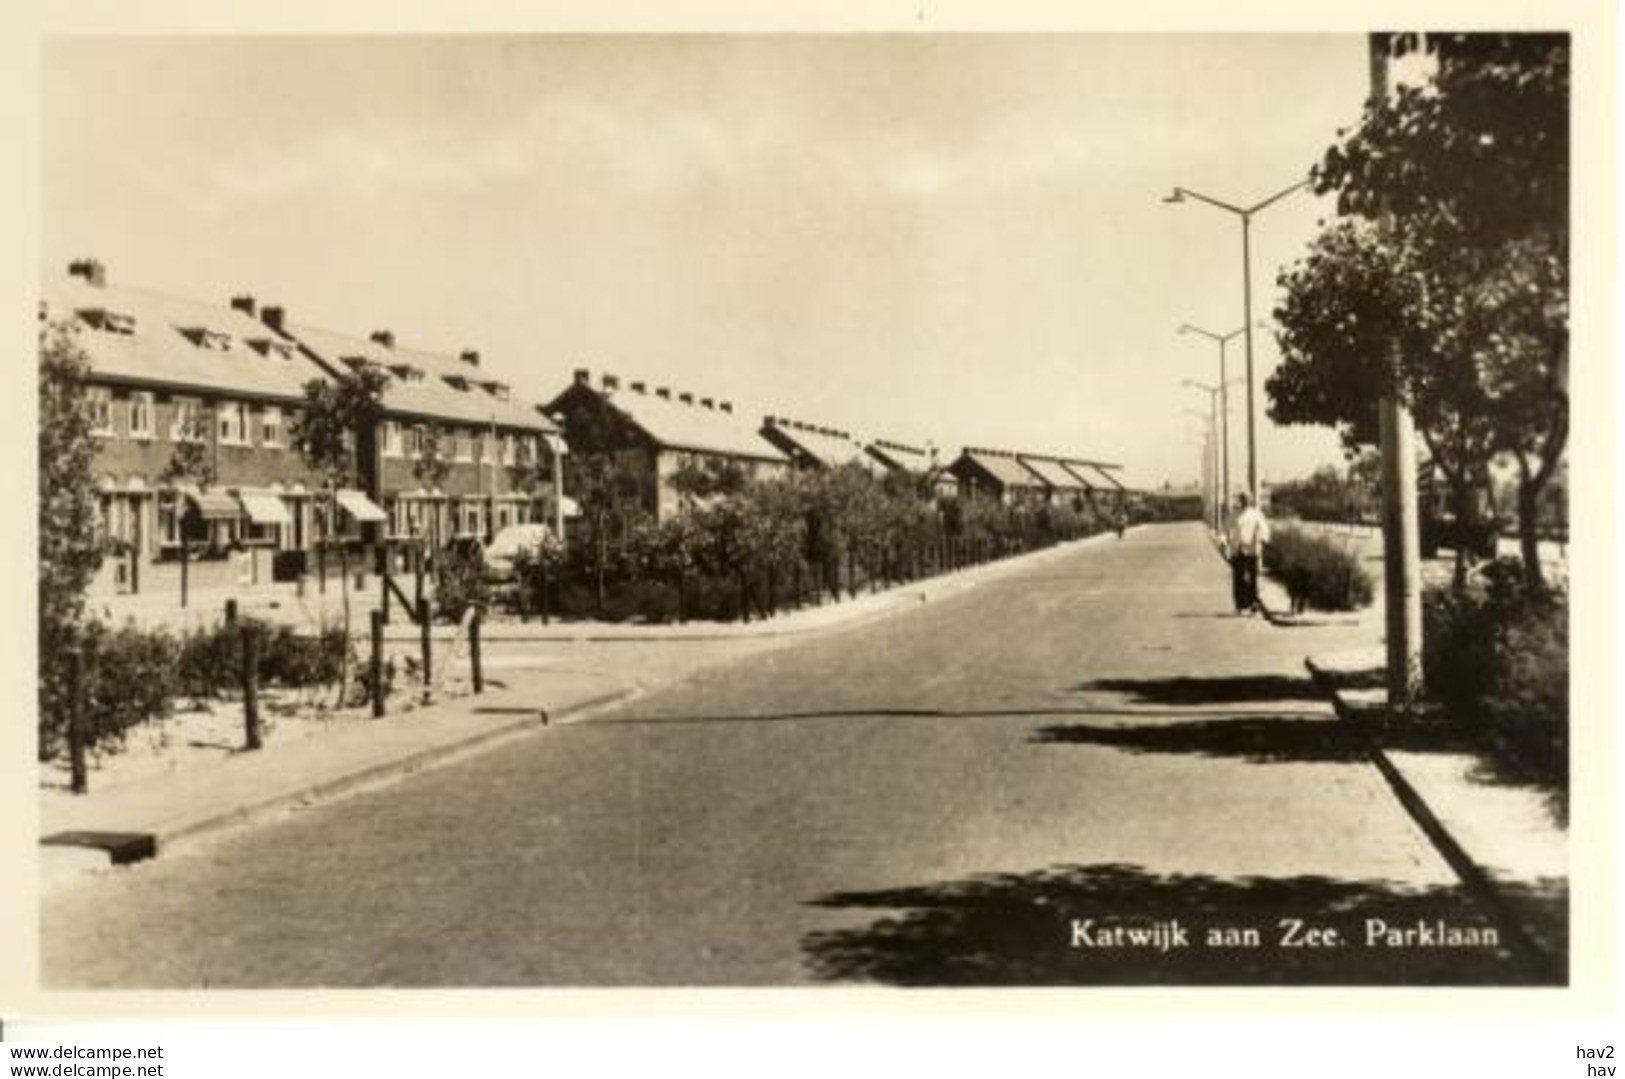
378	701
542	598
251	688
474	651
79	781
231	614
423	632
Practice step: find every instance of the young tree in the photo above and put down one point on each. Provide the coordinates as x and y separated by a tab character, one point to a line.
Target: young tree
430	466
336	418
70	545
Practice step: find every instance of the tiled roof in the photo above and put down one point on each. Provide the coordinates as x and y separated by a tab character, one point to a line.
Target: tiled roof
212	348
418	380
896	455
1006	469
1085	475
1107	480
1053	473
681	425
832	450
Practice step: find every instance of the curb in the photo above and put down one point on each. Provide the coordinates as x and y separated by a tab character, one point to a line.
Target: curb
155	843
1360	708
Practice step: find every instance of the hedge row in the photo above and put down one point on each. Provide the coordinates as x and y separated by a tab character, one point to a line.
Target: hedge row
133	676
775	545
1496	655
1317	573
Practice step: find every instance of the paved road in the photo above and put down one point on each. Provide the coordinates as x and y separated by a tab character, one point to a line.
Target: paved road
949	796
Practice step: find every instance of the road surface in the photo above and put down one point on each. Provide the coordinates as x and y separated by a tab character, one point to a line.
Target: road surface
1085	771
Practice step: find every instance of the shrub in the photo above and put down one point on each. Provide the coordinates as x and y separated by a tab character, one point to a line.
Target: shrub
1317	573
129	680
208	662
288	658
1496	656
461	585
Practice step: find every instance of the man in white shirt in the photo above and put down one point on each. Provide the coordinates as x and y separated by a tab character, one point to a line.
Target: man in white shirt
1245	535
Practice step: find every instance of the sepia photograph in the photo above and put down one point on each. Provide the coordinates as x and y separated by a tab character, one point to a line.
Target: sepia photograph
647	510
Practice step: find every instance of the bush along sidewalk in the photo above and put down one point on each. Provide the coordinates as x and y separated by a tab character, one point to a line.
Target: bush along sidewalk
1317	573
1497	660
775	545
127	676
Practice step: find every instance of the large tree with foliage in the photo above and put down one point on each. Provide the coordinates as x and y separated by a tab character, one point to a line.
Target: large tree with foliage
1459	248
70	544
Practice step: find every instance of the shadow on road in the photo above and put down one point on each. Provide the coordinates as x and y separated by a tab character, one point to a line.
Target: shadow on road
1260	740
1020	929
1199	691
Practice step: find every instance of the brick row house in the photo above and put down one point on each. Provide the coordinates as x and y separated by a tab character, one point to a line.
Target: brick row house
458	453
192	405
646	439
809	446
921	463
997	474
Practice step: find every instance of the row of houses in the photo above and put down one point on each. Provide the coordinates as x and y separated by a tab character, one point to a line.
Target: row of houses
193	403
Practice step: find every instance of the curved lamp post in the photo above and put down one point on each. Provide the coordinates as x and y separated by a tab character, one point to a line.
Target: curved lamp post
1180	194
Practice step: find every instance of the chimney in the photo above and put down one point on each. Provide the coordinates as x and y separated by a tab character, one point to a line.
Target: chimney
610	382
272	317
686	398
93	272
663	392
583	376
708	402
726	406
384	337
470	356
639	387
243	303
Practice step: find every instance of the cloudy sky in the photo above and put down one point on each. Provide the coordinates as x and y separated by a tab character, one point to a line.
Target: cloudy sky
949	238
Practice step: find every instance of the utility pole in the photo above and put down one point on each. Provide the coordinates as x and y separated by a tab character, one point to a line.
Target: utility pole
1401	541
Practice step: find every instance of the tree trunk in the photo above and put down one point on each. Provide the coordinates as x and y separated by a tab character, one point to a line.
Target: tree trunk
1529	523
344	592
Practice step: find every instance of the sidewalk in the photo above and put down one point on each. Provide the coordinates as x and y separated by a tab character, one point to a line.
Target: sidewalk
137	820
1500	836
140	819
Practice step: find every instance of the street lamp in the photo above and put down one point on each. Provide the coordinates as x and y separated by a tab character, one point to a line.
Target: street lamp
1225	382
1210	464
1221	493
1180	194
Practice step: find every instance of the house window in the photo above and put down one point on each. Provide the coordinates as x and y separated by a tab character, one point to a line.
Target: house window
233	418
188	425
392	438
169	522
412	440
141	415
463	446
101	410
271	426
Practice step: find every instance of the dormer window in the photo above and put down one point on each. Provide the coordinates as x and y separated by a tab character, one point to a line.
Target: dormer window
496	389
355	363
203	337
267	346
457	382
406	372
108	321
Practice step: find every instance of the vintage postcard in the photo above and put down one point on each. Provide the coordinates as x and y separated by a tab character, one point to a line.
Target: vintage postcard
925	501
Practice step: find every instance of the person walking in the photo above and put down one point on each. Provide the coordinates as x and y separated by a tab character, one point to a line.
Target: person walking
1246	533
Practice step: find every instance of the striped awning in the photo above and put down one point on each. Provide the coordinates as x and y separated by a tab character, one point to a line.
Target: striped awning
264	508
214	505
361	509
